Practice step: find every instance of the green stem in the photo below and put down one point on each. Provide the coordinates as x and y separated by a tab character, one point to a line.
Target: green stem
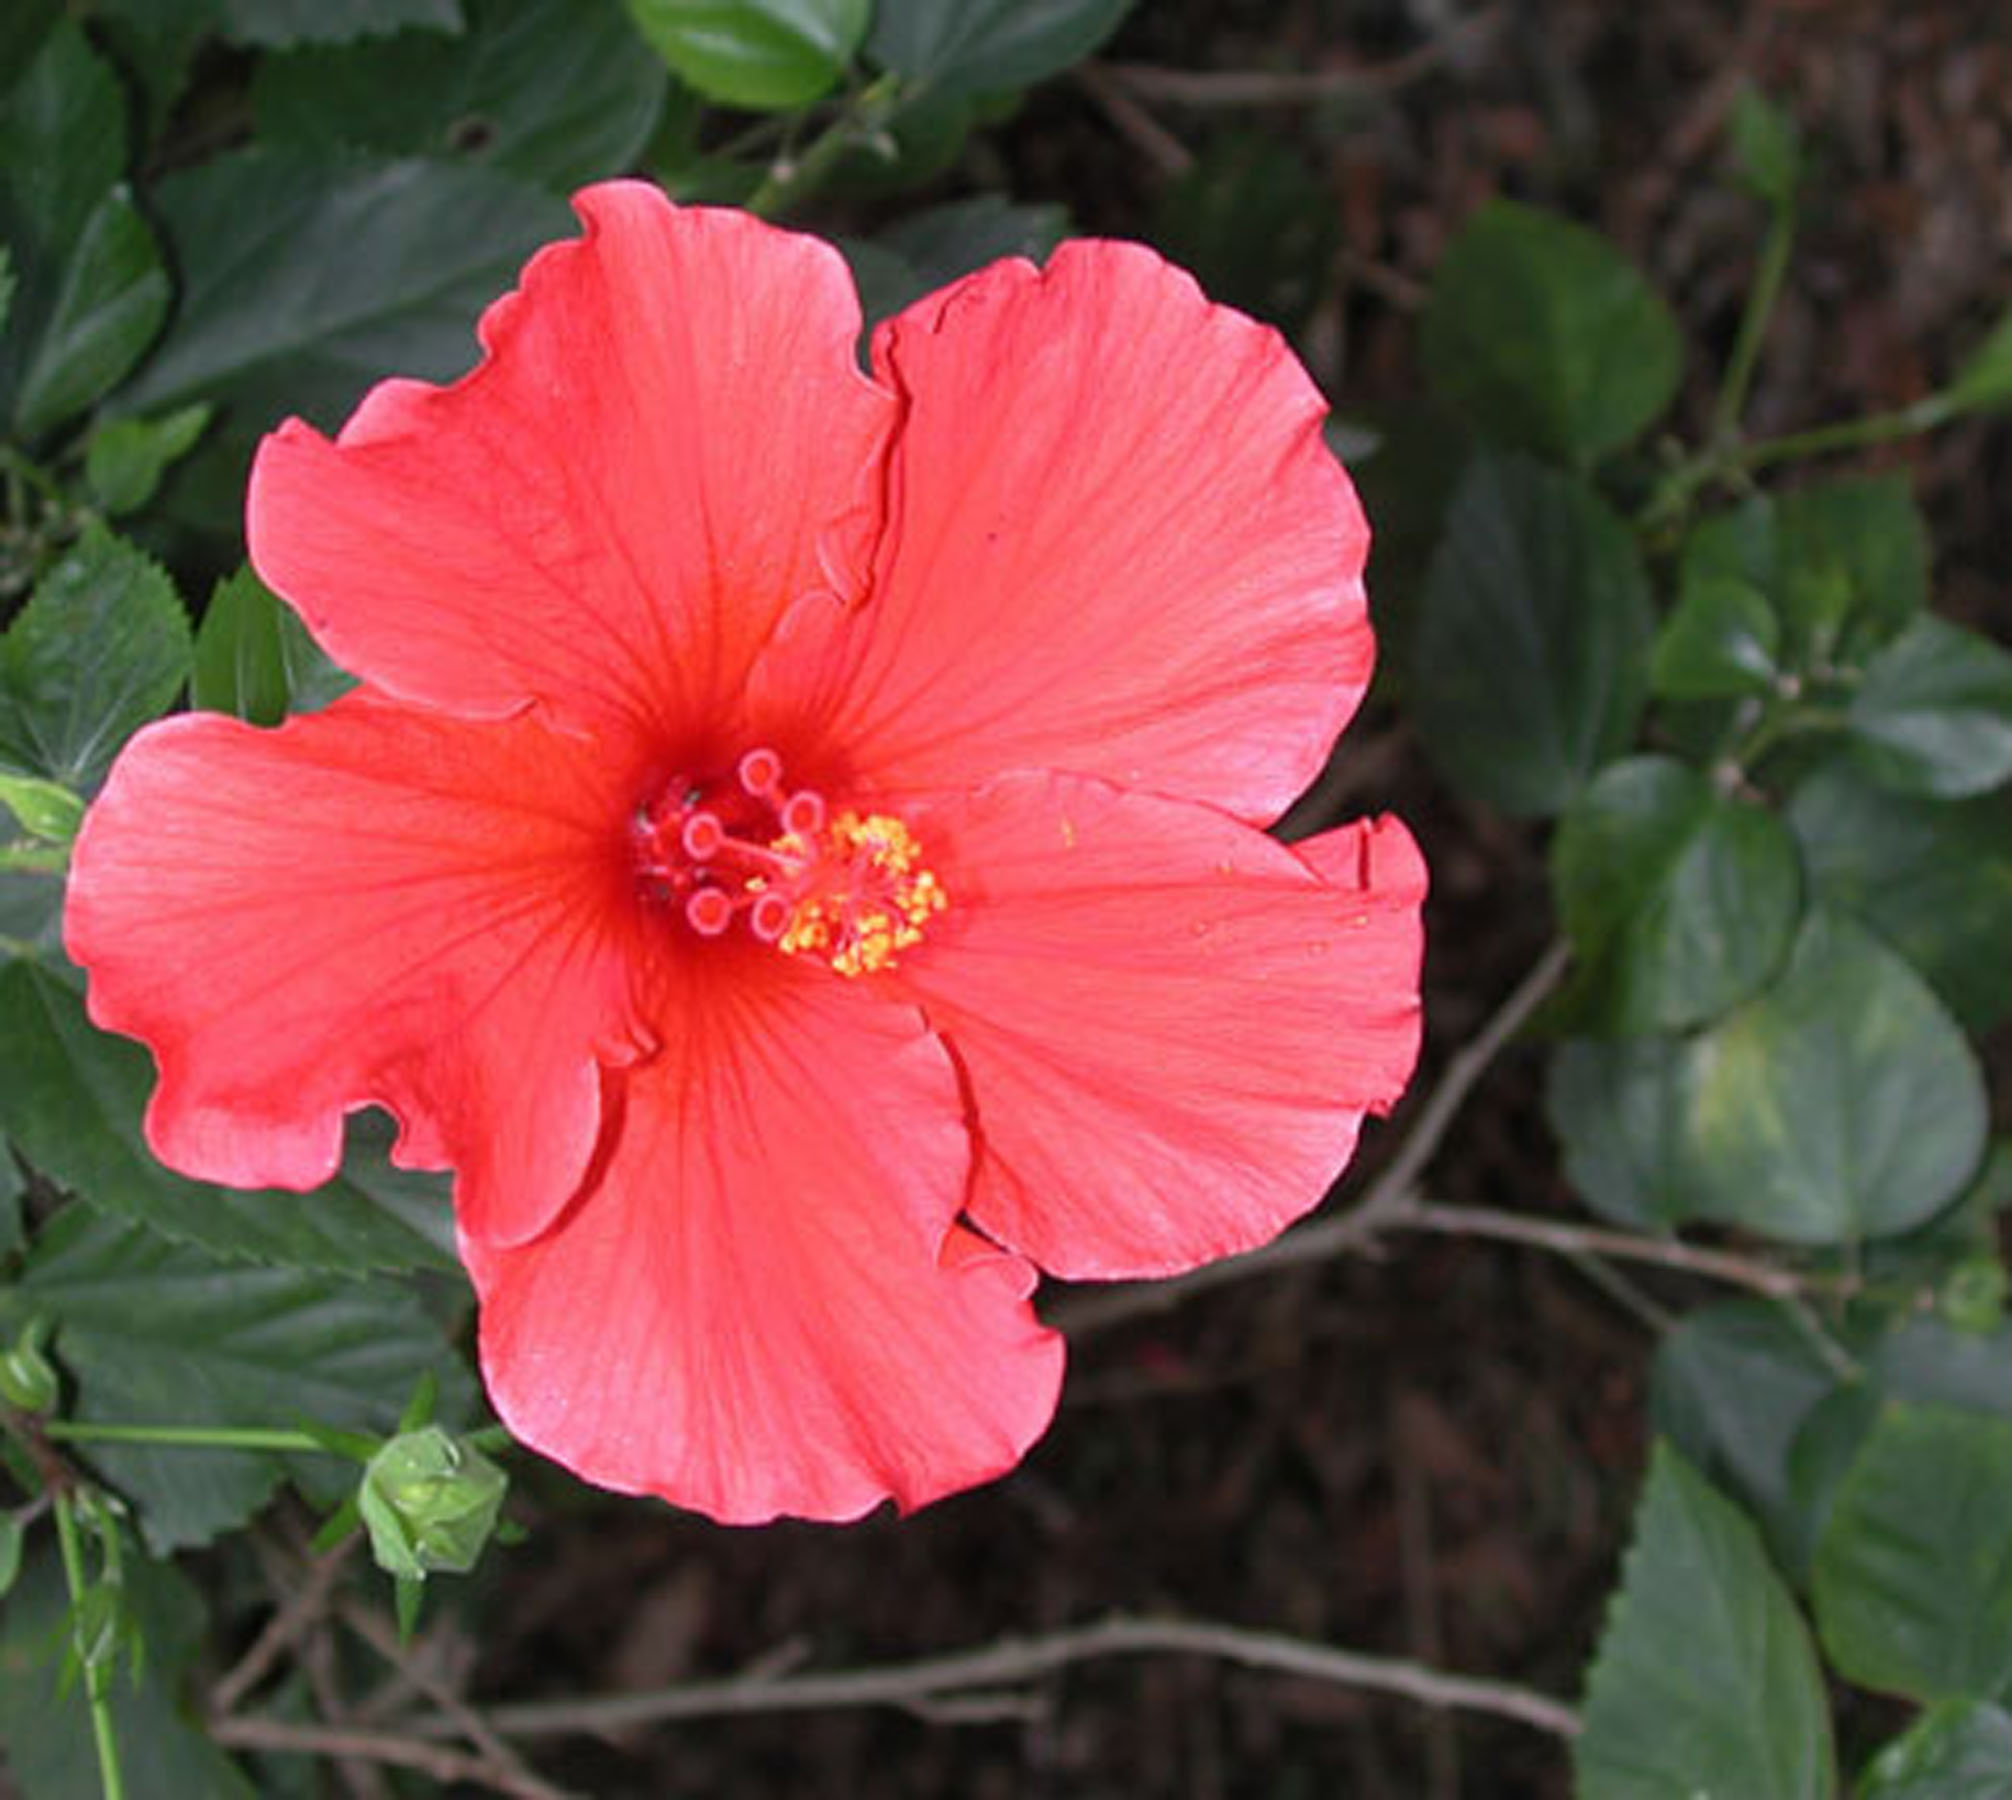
1852	434
1753	325
97	1677
791	180
191	1437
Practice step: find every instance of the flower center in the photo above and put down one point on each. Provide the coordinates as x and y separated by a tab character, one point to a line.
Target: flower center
848	887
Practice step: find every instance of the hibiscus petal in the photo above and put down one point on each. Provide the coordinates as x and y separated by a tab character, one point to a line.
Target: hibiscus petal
1116	545
368	905
668	442
761	1305
1171	1026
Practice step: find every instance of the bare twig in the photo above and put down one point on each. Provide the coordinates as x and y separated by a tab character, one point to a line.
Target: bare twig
1080	1314
986	1671
441	1761
283	1630
1145	133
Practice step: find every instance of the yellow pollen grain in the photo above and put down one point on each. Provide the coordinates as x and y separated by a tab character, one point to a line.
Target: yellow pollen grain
880	911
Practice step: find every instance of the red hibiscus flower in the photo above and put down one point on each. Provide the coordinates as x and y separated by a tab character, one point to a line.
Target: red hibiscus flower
795	852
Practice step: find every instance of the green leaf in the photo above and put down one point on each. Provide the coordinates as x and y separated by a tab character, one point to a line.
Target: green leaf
46	809
1529	663
126	458
106	309
72	1099
1542	334
988	46
161	1333
6	285
1767	148
932	248
1718	643
1959	1750
557	91
1732	1386
255	659
47	1730
1840	1103
1254	225
1704	1682
1934	713
1914	1572
102	647
764	54
1933	878
278	24
1984	382
1680	901
306	282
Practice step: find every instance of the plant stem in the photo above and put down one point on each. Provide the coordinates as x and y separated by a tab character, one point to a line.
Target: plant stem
97	1676
191	1437
1760	307
791	180
1849	434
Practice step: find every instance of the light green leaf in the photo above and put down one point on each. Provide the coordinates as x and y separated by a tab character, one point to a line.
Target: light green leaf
45	809
1934	713
1984	382
72	1098
560	92
1840	1103
279	24
1718	643
1933	878
255	659
102	647
1530	661
160	1333
1704	1686
988	46
1546	338
764	54
1960	1750
106	309
306	282
1680	901
47	1730
126	458
1914	1571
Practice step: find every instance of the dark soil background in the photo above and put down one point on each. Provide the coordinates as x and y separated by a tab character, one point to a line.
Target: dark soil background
1431	1451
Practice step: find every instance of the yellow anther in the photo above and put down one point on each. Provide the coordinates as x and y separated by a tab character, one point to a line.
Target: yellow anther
871	899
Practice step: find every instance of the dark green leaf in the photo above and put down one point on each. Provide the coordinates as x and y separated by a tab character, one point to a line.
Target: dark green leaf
1679	900
1542	334
1984	381
1960	1750
277	24
988	46
306	282
766	54
1933	878
1934	713
557	91
1254	225
932	248
1731	1387
101	647
6	285
126	458
1766	147
1718	643
72	1098
47	1731
1530	661
254	657
107	307
154	43
1840	1103
155	1332
1914	1571
1704	1682
1927	1362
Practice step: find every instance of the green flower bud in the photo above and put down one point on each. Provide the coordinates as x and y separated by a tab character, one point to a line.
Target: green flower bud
27	1378
1973	1295
430	1503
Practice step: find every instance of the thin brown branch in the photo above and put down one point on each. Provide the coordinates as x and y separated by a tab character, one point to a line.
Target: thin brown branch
283	1630
441	1761
987	1671
1146	134
1079	1314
